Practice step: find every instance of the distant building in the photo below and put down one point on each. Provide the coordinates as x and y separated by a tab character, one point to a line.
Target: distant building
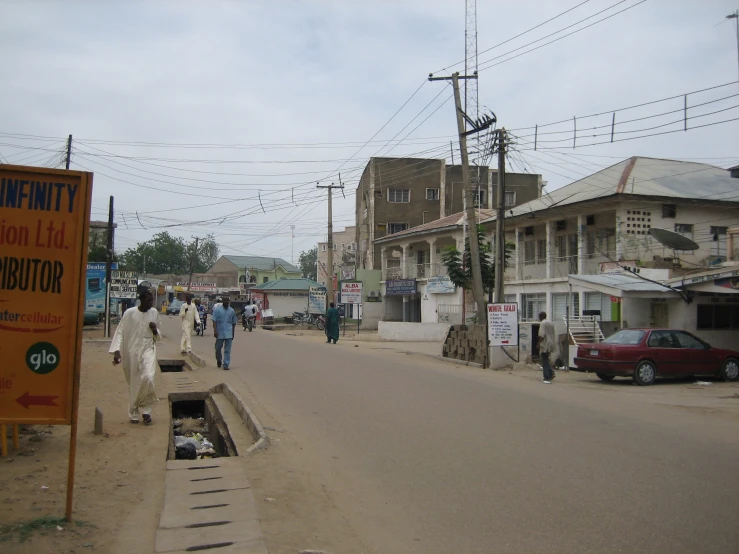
284	296
247	271
345	251
396	194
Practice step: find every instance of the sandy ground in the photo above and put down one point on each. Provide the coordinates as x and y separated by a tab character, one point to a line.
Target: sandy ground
119	475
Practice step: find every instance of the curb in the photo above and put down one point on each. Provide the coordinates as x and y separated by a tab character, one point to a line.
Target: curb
197	359
247	416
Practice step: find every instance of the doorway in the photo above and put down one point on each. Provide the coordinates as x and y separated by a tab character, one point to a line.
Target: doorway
659	315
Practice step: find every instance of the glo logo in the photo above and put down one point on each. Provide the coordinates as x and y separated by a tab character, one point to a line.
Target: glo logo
42	358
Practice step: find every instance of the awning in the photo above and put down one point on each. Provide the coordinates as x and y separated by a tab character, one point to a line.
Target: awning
622	284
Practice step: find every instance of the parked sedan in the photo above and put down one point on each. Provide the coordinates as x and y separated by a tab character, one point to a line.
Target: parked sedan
174	307
645	354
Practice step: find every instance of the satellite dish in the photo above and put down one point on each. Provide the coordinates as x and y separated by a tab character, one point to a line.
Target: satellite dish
673	240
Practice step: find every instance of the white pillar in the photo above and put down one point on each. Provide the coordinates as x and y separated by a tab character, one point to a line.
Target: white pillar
432	258
442	190
581	244
619	234
550	249
519	254
372	223
383	264
404	260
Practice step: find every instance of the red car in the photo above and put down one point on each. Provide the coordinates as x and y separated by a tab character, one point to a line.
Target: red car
645	354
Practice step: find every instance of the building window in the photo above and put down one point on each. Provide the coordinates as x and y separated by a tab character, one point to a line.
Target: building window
265	279
561	225
541	251
528	231
398	195
479	198
590	244
533	304
335	245
559	305
510	198
365	213
396	227
715	231
669	211
529	252
684	229
432	194
323	248
590	220
560	247
718	316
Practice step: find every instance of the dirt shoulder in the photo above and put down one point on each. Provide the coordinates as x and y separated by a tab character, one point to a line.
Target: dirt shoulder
119	475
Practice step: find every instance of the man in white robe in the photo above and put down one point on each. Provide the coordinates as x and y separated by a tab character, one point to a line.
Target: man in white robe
134	344
189	317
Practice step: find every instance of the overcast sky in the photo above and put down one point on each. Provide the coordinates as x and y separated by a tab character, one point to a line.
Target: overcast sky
274	96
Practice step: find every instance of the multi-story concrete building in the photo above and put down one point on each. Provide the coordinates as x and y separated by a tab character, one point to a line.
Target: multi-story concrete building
396	194
586	248
345	251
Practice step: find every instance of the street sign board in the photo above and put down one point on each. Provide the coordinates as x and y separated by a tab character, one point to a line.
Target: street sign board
124	284
317	300
44	227
397	287
351	293
503	324
440	285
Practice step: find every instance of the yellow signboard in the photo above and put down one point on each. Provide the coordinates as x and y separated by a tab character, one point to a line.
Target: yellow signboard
44	227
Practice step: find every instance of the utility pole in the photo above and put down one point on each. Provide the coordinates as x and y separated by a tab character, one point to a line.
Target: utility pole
292	245
69	151
108	259
735	17
192	262
469	191
330	288
500	219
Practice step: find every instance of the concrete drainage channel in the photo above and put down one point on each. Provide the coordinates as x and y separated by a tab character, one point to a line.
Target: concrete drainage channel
208	503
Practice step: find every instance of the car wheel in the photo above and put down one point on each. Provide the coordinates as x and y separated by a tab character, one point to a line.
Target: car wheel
729	370
604	377
646	373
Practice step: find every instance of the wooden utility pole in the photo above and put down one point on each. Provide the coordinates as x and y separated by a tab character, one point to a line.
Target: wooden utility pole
69	151
108	261
330	288
192	262
469	192
500	220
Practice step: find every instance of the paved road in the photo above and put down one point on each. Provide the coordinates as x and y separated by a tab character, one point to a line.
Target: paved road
423	456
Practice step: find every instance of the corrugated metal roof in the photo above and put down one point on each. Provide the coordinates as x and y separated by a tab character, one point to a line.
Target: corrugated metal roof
640	176
259	262
454	220
288	284
622	281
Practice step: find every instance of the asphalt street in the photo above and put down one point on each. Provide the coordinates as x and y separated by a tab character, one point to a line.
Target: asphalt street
424	456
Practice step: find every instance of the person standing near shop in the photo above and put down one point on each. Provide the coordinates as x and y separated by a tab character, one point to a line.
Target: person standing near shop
224	324
547	347
332	324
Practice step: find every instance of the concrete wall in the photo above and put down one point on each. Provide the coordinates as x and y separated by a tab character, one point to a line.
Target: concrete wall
685	316
412	332
285	305
372	314
636	312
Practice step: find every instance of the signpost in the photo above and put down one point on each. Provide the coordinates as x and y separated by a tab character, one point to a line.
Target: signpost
317	300
398	287
503	324
44	229
351	293
124	284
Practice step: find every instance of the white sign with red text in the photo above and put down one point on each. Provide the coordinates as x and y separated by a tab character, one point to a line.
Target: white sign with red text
351	293
503	324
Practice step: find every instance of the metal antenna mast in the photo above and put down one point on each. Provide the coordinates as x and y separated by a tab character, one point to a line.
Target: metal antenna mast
471	107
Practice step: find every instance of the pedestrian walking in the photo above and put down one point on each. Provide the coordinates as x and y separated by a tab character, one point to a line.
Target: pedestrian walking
332	323
224	324
188	316
134	345
202	314
547	347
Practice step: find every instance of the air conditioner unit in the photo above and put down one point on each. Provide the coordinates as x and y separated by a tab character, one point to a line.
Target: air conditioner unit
373	294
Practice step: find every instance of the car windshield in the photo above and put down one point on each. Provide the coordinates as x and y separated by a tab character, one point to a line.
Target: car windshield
626	336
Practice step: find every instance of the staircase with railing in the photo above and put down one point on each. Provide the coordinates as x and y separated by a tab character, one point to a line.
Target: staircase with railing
584	329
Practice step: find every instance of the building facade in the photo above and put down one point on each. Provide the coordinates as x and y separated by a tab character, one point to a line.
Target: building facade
246	271
345	252
397	194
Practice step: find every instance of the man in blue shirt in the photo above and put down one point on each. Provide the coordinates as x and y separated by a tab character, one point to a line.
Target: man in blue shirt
224	323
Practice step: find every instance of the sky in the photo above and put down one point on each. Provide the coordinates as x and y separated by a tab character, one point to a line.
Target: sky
221	117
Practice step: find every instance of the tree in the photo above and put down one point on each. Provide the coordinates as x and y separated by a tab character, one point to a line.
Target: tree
459	266
97	247
308	261
164	253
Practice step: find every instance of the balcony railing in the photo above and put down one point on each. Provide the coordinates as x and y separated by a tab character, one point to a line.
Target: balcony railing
415	271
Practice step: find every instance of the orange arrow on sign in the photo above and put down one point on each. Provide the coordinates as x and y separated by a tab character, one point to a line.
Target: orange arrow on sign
27	400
